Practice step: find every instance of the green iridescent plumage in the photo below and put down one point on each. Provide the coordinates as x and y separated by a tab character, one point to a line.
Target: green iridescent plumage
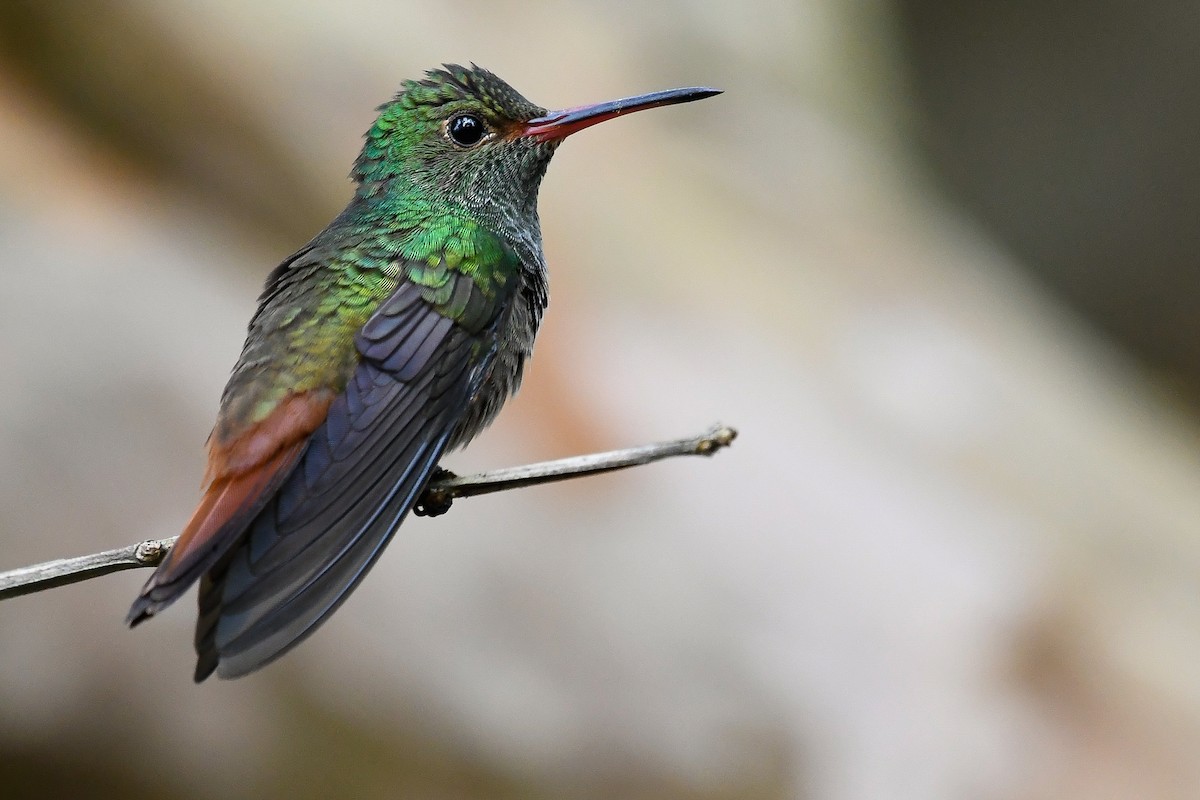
303	335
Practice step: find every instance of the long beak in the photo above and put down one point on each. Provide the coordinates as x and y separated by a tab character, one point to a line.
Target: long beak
560	124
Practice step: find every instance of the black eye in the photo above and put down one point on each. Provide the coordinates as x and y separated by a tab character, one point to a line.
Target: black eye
466	129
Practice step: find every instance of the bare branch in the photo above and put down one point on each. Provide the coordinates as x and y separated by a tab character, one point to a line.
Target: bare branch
441	492
63	571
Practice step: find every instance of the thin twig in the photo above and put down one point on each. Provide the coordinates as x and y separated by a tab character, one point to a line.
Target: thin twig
441	492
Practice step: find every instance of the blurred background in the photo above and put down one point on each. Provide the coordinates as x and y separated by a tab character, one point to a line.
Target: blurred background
935	260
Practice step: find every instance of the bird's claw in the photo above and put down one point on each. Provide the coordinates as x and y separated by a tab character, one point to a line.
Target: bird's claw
435	501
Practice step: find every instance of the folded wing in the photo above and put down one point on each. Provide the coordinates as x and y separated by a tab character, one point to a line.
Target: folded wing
362	469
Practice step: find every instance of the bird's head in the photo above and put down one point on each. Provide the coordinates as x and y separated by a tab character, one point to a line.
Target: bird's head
464	136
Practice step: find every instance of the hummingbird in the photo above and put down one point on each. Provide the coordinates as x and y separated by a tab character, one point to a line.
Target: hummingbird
393	336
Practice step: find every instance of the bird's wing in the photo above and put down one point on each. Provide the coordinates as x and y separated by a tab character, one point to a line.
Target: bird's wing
423	354
247	463
241	477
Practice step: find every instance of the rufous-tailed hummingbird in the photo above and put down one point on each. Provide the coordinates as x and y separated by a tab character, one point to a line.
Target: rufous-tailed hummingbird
395	335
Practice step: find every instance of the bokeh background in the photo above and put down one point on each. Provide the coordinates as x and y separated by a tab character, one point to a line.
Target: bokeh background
937	261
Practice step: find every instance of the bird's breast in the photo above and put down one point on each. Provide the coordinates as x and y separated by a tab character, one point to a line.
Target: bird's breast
514	346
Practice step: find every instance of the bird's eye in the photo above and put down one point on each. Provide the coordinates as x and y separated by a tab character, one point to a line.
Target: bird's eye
466	129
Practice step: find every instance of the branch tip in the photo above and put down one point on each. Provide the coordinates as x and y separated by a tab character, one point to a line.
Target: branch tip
718	436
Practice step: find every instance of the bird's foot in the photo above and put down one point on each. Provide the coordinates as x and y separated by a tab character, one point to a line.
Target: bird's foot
434	502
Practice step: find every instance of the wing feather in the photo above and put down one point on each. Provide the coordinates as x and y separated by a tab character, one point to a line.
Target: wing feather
243	474
365	466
